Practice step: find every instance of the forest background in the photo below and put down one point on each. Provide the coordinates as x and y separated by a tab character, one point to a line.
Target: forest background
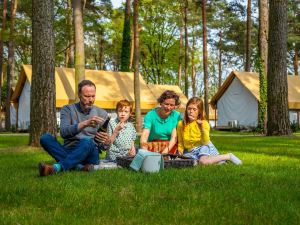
161	39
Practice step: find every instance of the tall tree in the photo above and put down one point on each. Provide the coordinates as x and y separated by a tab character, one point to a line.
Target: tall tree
296	60
126	48
278	111
98	25
10	63
220	60
43	97
205	58
79	44
193	59
263	33
101	50
180	52
219	17
180	57
294	34
186	47
137	95
1	53
159	49
70	51
262	64
248	38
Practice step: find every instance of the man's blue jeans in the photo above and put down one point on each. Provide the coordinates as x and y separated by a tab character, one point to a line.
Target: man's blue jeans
85	152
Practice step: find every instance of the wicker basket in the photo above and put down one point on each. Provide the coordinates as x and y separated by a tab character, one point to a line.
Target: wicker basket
124	161
170	161
177	161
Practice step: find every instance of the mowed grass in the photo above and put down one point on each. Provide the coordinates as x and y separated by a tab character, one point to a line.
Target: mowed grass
264	190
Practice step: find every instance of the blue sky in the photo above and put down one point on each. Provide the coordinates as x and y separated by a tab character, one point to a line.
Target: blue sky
117	3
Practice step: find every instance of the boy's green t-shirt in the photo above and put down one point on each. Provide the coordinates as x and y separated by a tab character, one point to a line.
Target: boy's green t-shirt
160	129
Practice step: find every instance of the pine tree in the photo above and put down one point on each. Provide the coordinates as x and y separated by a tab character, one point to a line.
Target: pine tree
126	43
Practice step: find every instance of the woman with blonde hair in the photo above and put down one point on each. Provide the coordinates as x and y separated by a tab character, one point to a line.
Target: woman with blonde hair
193	136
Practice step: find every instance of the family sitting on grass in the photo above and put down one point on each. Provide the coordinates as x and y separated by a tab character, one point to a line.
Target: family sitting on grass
80	123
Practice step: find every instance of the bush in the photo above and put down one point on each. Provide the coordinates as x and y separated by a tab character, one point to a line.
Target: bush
294	127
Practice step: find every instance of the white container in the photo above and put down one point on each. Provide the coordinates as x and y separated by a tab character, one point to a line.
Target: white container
233	124
105	165
151	164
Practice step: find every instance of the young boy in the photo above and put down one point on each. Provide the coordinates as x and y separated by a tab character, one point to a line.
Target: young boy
122	132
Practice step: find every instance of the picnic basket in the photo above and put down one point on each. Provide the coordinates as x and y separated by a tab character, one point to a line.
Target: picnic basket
124	161
177	161
170	161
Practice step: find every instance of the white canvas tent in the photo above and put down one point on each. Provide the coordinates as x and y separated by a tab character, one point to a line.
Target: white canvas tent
238	97
111	87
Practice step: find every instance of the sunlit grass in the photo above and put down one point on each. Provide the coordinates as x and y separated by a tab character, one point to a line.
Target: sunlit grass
264	190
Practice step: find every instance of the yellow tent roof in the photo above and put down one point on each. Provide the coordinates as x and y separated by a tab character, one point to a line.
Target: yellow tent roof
250	81
111	87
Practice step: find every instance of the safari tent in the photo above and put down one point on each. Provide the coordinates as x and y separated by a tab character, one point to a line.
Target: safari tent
238	97
111	87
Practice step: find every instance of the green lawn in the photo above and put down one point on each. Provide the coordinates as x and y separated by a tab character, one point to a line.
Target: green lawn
265	190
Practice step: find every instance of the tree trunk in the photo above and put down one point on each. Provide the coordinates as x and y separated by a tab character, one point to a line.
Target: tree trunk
263	59
193	62
1	53
180	57
137	95
10	64
79	44
43	97
70	51
186	55
278	112
220	60
263	33
205	59
101	51
296	60
248	38
125	54
131	50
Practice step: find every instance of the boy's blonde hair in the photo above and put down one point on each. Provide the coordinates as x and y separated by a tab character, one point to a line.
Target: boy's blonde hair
124	103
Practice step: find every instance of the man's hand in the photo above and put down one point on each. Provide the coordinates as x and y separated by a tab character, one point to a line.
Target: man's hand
103	137
92	122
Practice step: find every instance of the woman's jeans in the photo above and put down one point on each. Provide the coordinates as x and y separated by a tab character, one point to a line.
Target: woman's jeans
85	152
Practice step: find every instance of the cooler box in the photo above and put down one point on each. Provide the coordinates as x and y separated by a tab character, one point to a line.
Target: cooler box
151	164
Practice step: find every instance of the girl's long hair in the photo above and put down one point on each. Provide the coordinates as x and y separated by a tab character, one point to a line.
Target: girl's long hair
199	103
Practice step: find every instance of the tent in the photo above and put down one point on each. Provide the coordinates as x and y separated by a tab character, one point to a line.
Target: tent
237	99
111	87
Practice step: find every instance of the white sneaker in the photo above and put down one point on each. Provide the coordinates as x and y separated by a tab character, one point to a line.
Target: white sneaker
235	160
195	163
